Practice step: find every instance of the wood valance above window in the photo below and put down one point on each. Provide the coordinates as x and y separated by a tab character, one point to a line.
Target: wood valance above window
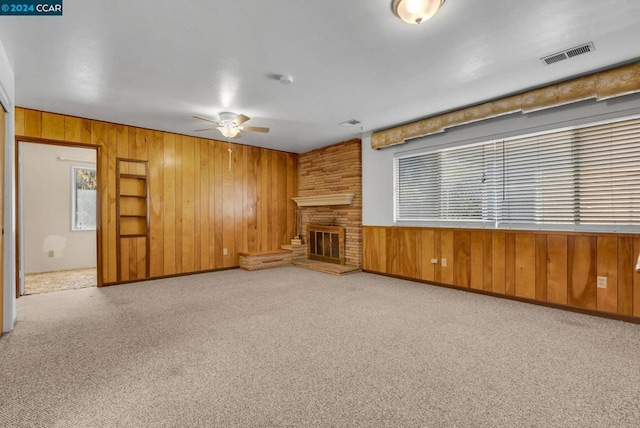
601	86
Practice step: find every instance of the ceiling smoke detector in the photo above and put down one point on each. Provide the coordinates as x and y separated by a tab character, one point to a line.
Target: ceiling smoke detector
568	53
286	80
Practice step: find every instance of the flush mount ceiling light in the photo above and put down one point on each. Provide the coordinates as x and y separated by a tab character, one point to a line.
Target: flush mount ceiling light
416	11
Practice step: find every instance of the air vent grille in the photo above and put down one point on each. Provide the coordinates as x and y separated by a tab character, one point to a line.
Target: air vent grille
349	123
569	53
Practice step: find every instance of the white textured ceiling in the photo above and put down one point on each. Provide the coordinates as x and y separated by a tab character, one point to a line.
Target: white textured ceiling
155	63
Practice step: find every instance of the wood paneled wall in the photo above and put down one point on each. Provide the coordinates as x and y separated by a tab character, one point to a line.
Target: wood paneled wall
558	268
203	198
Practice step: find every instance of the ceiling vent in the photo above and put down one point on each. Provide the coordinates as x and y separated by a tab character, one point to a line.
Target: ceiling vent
569	53
349	123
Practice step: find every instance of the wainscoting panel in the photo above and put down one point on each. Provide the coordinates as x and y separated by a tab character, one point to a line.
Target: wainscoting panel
559	268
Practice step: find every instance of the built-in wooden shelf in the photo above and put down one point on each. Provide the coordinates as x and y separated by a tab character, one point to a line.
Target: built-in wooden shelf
134	176
132	215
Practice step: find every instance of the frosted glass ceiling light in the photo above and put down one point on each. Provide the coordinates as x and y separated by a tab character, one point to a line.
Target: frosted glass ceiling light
416	11
229	131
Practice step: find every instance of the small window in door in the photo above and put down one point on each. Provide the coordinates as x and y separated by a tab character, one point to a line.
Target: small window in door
83	198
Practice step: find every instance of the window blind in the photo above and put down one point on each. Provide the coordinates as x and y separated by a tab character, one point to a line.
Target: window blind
581	176
453	184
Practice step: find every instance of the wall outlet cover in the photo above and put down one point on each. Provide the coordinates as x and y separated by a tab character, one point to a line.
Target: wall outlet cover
602	282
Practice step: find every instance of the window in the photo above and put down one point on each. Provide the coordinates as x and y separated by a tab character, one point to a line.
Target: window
83	197
453	184
587	177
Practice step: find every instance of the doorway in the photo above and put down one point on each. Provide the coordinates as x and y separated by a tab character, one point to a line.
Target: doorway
57	217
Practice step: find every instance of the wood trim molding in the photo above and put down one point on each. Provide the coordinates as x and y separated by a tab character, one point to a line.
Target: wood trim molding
324	200
604	85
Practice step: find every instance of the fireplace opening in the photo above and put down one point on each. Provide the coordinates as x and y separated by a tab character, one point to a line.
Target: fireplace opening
326	243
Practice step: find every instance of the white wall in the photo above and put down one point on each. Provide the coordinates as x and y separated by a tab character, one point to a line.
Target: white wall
377	165
45	189
7	287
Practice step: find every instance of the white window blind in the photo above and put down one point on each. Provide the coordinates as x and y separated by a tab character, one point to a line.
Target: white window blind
452	184
580	176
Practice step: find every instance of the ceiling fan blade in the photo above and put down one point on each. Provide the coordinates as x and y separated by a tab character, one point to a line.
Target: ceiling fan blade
254	128
241	118
204	129
208	120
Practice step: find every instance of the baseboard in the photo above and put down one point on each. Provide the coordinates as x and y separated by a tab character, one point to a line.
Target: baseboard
584	311
175	275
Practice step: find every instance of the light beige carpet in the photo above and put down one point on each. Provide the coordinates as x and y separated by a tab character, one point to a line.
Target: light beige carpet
292	347
46	282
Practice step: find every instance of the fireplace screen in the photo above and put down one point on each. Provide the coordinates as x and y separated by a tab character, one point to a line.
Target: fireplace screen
326	243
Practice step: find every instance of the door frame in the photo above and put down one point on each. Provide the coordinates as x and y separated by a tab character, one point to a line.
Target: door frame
18	220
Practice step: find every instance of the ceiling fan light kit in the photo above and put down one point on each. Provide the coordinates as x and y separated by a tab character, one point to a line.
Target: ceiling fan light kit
230	124
416	11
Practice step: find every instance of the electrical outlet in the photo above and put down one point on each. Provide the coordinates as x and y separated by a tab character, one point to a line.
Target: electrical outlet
224	252
434	261
444	262
602	282
52	253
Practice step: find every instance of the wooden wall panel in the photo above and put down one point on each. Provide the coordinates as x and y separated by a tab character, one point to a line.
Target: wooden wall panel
626	267
557	276
198	205
446	248
73	129
188	204
461	258
510	264
427	250
476	279
410	253
487	260
541	268
559	268
367	247
391	246
53	126
169	205
525	265
498	245
581	265
156	193
437	254
380	236
607	267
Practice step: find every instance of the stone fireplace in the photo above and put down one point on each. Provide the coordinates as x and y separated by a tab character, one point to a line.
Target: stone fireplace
330	193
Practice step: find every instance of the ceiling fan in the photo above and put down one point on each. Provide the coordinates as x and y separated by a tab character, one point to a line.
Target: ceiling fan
230	124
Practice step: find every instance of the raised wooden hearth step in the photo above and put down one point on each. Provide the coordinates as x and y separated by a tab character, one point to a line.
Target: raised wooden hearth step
270	259
332	268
